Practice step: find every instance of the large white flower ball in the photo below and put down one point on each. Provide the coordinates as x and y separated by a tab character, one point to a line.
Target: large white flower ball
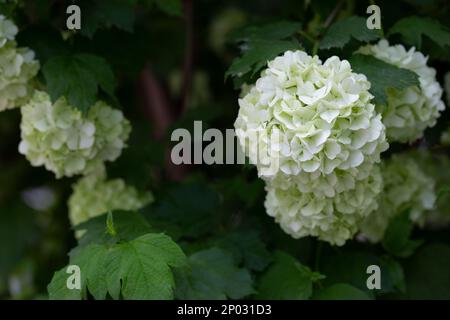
305	116
332	219
406	187
410	111
67	143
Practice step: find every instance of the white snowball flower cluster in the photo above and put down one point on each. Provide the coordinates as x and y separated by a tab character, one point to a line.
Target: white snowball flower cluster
94	195
437	167
17	68
410	111
67	143
406	187
328	138
321	113
332	219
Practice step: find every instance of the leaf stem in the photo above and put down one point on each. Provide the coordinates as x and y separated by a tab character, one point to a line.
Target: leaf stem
333	14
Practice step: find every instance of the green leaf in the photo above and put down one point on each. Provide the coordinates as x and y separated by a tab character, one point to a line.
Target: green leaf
286	278
341	32
137	269
397	240
382	76
127	225
91	263
348	267
140	269
272	31
78	78
393	277
213	274
340	291
99	14
413	28
257	55
260	44
171	7
427	273
443	191
192	207
247	248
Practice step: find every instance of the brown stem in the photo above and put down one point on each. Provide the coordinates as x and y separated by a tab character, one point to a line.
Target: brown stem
333	14
156	103
159	111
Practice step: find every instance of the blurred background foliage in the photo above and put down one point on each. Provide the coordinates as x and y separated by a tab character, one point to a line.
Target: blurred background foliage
215	213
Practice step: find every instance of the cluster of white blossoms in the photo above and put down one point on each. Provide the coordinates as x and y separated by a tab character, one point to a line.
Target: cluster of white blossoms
94	195
320	113
437	167
314	136
8	30
65	141
332	219
410	111
406	187
17	68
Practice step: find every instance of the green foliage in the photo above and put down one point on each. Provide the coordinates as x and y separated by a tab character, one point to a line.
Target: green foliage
207	235
413	29
350	267
105	14
341	32
78	78
126	225
382	76
397	237
340	291
261	44
170	7
247	248
287	278
213	274
136	269
192	207
427	273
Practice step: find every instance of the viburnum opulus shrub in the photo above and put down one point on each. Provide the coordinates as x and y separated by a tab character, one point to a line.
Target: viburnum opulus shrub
343	122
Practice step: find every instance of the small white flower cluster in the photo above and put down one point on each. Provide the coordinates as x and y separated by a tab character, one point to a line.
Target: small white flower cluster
8	30
17	68
410	111
328	138
406	187
94	195
67	143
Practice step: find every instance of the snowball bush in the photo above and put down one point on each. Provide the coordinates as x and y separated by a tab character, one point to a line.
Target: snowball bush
332	219
17	68
406	187
320	112
410	111
94	195
67	143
